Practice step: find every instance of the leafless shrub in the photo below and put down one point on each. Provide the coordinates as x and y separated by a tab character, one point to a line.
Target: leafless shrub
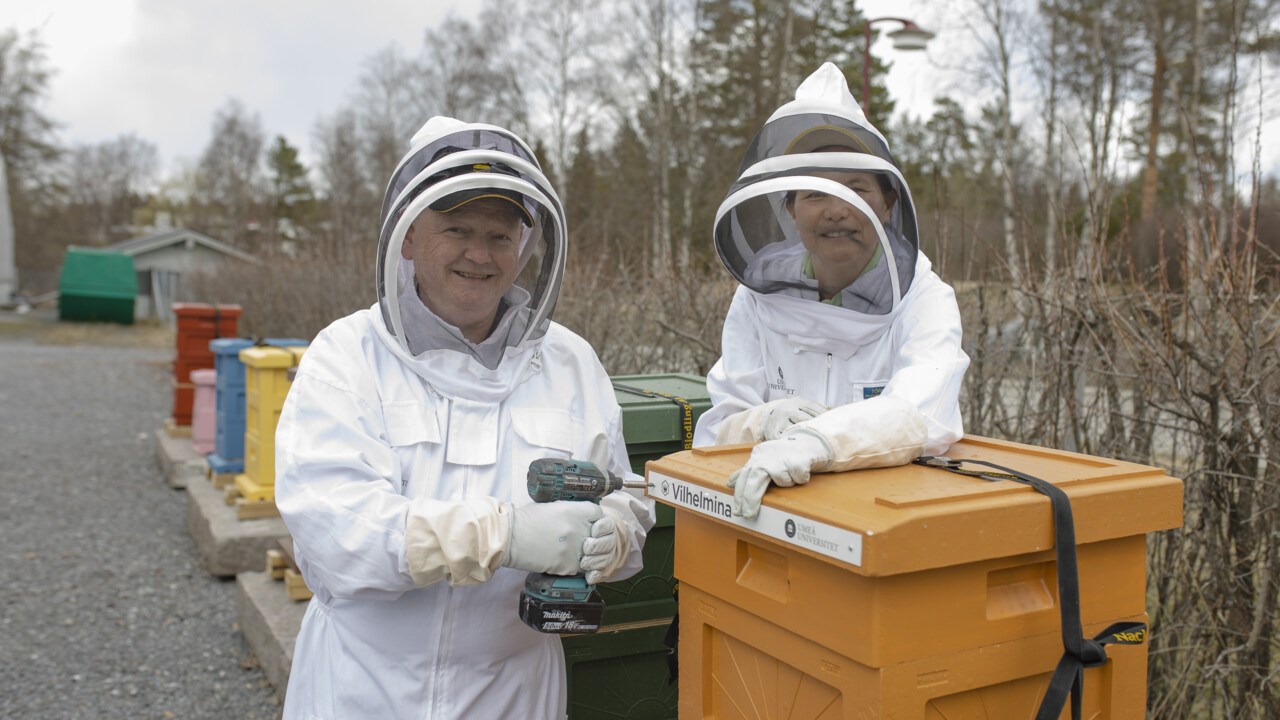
1181	376
1208	359
294	295
642	323
637	324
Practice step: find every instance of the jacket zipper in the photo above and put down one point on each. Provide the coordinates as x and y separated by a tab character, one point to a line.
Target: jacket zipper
445	637
446	628
827	391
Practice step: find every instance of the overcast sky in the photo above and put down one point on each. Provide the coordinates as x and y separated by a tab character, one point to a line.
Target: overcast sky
162	68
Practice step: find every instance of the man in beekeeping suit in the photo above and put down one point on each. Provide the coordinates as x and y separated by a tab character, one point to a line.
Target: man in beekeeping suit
841	348
403	447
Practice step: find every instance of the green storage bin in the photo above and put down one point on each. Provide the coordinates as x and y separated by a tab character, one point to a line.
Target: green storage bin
620	673
97	286
653	427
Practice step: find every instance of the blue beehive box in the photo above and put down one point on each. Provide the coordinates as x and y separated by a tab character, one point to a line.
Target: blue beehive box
228	449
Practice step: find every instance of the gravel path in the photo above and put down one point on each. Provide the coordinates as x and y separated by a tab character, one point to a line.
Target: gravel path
105	611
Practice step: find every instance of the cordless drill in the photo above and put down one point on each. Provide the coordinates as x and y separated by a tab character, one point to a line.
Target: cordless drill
558	603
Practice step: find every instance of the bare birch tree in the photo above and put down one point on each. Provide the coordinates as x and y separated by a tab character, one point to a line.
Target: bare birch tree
230	173
350	204
995	36
107	181
386	105
564	60
467	74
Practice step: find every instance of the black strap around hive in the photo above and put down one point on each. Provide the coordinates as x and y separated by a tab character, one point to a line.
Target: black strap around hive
686	409
1079	652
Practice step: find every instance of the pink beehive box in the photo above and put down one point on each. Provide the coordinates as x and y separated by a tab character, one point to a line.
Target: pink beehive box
204	423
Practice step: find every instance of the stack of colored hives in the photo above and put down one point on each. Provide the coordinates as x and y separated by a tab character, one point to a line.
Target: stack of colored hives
622	670
204	413
198	323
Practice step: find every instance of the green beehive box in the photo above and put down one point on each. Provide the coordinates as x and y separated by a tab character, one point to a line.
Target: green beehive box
97	286
653	425
620	673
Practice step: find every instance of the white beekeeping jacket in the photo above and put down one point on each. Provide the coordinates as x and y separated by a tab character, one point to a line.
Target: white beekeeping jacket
401	448
837	303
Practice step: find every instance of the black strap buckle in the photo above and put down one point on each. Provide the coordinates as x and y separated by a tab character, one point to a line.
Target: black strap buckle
938	461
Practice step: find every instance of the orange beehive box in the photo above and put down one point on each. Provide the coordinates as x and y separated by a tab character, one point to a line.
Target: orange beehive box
197	324
908	592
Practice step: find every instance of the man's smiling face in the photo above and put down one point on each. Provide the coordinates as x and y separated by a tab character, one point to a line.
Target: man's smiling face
464	261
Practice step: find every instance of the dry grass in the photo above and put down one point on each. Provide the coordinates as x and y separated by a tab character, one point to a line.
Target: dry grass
43	327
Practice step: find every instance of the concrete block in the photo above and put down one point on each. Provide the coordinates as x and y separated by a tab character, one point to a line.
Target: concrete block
178	462
228	545
270	622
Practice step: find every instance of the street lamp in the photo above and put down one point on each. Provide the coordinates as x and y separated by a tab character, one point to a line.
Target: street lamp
909	37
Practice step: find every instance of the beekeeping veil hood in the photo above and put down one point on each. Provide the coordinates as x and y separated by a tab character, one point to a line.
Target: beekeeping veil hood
451	164
820	210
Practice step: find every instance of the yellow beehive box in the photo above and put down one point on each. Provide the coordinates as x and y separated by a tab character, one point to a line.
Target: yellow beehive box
906	592
266	385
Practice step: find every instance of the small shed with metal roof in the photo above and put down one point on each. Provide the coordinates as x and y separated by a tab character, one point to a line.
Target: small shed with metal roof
161	260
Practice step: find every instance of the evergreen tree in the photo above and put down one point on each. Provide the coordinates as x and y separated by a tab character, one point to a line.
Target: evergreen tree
28	146
293	199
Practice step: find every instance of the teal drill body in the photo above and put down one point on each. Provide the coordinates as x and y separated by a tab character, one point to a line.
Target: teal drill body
555	603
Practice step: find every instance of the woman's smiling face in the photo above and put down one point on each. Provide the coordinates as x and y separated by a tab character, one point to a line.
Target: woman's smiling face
841	238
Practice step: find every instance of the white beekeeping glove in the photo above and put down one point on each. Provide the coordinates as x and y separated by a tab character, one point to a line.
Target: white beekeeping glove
550	537
607	548
788	413
881	432
786	461
768	421
884	431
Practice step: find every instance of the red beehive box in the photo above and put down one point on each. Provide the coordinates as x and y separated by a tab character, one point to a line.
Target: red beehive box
198	323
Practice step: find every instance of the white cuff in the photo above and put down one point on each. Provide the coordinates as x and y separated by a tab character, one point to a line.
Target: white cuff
884	431
461	541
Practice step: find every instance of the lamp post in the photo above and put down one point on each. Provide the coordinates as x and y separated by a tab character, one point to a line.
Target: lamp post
909	37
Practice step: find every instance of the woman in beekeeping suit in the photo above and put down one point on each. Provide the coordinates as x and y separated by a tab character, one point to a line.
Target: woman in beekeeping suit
404	443
841	348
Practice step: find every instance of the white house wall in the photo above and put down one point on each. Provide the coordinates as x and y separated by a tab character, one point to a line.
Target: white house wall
8	271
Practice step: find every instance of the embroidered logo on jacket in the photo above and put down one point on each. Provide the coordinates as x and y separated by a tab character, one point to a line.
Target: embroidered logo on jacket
781	384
